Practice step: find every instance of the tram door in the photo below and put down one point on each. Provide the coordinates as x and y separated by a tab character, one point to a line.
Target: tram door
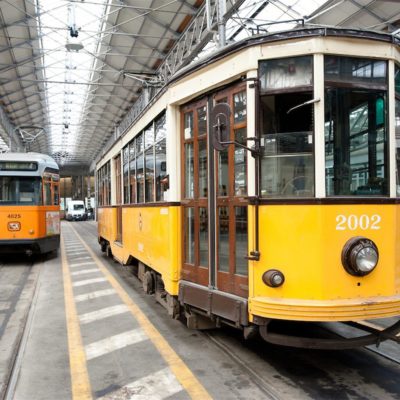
225	227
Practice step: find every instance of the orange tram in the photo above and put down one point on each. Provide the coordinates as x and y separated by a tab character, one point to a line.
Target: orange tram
29	203
262	184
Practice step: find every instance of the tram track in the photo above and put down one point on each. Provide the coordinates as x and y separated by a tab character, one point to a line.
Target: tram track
261	381
15	326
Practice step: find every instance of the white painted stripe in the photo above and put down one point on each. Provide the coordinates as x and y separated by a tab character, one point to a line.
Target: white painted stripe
94	295
77	252
85	271
88	281
113	343
79	259
103	313
4	305
157	386
82	263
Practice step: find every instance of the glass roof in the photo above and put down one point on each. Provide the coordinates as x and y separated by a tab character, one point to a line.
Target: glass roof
68	71
71	34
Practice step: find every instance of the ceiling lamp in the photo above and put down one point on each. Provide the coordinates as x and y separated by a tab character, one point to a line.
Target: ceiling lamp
73	44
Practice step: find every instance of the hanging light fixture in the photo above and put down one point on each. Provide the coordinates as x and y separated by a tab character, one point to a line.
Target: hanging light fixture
73	43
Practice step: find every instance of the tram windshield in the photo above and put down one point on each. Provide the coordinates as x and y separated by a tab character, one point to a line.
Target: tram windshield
356	161
20	190
287	125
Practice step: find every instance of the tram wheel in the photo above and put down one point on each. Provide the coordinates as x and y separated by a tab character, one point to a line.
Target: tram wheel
148	283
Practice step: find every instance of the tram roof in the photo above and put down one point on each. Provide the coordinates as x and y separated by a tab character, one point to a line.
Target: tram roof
44	161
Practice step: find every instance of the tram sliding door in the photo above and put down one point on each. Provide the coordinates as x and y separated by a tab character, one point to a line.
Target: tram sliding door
225	228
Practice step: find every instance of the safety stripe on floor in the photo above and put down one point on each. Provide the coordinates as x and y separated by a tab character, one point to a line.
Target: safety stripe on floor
160	384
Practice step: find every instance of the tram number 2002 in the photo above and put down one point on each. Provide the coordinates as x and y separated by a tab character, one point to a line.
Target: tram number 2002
353	222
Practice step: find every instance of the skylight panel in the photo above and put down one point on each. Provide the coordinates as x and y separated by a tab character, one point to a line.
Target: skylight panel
68	72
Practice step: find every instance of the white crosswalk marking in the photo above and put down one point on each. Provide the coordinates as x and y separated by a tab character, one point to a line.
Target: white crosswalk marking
85	271
94	295
113	343
82	263
103	313
74	252
88	281
82	258
157	386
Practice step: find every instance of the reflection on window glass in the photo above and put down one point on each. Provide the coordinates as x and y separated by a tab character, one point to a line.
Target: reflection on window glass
203	236
46	193
223	239
21	190
125	160
189	171
355	142
202	121
240	163
223	173
189	235
140	169
132	172
356	70
241	240
203	168
240	107
149	186
397	128
286	73
188	132
56	197
288	165
161	156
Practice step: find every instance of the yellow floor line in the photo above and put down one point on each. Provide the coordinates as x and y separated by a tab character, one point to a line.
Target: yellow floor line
182	372
77	358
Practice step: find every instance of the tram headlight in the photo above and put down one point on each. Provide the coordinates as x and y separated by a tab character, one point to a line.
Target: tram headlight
273	278
360	256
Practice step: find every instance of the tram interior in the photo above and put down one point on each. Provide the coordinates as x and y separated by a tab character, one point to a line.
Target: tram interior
288	162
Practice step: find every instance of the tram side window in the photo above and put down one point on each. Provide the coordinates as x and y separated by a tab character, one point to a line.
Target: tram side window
356	142
103	182
397	128
125	157
287	166
161	156
20	190
47	193
56	197
149	163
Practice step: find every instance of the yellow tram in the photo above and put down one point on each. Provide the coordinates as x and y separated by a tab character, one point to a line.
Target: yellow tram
29	203
262	184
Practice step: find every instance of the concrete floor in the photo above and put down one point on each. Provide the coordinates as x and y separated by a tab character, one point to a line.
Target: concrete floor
92	333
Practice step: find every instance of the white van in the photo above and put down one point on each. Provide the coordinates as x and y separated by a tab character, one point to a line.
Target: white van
76	211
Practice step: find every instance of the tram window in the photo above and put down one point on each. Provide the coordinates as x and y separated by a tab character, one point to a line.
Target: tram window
355	142
140	169
149	163
203	236
397	127
223	239
161	155
241	241
203	185
287	165
286	73
125	155
55	194
47	193
189	170
355	70
189	236
20	190
132	171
